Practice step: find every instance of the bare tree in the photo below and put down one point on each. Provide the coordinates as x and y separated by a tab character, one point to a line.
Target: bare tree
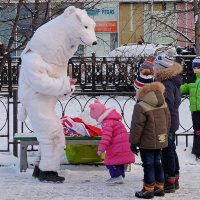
28	16
163	22
197	25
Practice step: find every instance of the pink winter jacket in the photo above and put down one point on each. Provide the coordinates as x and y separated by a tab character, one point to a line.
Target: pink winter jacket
115	139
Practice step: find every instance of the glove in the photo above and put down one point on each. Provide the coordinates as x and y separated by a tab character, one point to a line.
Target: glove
99	152
134	149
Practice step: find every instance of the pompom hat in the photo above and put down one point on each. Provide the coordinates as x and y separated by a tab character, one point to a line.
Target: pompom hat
165	60
196	62
147	64
97	109
145	76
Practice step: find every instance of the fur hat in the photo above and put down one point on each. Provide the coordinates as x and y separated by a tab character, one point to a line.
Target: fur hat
165	60
145	76
97	109
196	62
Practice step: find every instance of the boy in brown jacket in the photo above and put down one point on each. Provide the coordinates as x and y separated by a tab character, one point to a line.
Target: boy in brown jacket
149	131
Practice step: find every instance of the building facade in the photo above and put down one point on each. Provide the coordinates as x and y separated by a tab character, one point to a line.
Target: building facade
118	22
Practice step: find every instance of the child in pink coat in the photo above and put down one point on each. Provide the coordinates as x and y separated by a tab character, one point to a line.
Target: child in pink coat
115	141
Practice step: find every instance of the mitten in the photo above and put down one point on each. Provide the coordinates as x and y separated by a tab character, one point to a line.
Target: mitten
134	149
99	152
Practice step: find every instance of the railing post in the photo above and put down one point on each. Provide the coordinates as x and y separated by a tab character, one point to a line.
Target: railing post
9	76
186	141
15	122
93	72
176	139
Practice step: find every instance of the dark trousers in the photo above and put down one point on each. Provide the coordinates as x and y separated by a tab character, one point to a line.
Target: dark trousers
151	163
170	160
116	170
196	127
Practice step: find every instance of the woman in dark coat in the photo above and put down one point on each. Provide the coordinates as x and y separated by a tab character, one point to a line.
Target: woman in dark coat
168	72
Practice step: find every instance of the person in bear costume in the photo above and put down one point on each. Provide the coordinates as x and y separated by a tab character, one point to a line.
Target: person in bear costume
43	79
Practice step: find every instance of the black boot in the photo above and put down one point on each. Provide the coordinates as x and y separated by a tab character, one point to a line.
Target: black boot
159	190
36	172
50	176
146	193
197	157
176	184
169	188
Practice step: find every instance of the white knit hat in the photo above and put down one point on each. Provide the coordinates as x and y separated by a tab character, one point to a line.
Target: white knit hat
196	62
165	60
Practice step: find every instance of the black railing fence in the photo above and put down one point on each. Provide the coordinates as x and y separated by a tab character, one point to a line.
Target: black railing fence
94	74
110	79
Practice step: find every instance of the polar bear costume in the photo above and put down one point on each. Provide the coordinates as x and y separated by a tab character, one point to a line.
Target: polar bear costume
43	78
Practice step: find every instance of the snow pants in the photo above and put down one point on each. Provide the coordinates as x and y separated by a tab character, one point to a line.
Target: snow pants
196	127
170	161
152	167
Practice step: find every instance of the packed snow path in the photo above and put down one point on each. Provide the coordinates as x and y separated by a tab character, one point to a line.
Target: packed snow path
84	182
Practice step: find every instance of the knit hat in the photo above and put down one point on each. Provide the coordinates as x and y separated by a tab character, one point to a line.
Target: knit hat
196	62
97	109
147	64
145	76
165	60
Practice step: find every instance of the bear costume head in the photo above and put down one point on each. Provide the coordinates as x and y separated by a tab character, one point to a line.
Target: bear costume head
58	40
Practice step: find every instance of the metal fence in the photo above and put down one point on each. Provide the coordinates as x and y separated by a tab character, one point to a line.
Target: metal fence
95	74
5	123
108	78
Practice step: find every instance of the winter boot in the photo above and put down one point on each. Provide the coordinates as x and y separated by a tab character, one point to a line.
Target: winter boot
176	184
36	172
169	186
147	192
159	190
198	157
50	176
115	181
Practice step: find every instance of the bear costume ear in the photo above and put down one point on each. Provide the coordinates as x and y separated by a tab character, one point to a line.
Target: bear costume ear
71	10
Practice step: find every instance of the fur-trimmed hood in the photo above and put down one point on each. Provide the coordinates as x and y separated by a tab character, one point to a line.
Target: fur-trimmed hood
110	113
152	94
169	73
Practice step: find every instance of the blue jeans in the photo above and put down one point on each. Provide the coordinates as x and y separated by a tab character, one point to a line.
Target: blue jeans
170	160
116	170
151	163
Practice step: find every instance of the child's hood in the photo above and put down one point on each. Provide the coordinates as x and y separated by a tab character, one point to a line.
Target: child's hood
152	94
110	114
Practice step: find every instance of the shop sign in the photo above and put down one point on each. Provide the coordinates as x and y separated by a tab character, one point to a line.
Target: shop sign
106	26
100	12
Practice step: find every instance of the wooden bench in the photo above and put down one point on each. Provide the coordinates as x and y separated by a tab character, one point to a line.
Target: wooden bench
27	139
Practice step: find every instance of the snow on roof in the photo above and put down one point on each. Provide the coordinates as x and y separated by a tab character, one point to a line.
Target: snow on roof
135	50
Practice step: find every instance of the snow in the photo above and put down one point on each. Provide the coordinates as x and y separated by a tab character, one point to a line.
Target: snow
87	182
135	50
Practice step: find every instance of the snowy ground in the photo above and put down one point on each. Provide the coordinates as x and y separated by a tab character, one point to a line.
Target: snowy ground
84	182
88	182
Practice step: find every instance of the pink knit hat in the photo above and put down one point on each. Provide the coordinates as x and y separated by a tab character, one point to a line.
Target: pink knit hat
97	109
